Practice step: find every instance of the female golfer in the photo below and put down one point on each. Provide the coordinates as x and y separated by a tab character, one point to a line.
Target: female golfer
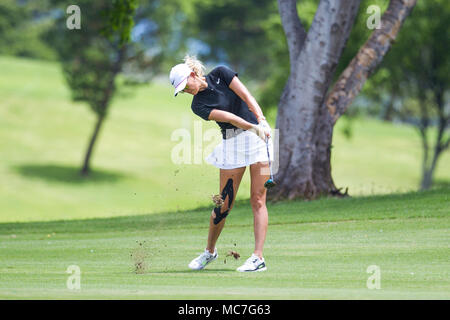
222	97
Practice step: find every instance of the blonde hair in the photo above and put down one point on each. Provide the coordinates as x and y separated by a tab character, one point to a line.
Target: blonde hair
195	65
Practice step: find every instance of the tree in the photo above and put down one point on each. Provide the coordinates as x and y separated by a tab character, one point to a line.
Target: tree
225	25
417	78
308	110
21	26
93	55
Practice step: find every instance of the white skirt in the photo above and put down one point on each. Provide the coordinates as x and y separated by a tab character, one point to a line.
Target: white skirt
239	151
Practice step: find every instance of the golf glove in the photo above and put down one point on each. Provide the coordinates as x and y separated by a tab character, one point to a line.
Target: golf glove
260	131
266	125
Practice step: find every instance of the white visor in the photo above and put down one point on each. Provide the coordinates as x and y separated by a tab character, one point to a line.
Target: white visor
179	76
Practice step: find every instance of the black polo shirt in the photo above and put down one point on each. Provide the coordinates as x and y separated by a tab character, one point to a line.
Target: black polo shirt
219	96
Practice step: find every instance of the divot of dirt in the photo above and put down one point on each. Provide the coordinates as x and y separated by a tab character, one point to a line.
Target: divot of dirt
218	201
139	256
233	254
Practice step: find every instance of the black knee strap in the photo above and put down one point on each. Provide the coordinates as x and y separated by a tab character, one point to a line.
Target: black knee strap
219	216
227	191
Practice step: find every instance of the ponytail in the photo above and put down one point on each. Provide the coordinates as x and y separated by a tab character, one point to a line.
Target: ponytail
195	65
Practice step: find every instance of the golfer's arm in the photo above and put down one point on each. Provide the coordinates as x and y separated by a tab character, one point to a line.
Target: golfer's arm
225	116
238	87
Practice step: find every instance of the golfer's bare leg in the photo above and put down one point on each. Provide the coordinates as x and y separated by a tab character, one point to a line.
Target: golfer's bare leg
258	202
216	229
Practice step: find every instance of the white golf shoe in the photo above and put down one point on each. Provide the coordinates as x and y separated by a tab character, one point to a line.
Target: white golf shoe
202	260
253	264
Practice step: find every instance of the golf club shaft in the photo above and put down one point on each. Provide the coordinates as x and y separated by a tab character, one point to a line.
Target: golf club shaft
268	156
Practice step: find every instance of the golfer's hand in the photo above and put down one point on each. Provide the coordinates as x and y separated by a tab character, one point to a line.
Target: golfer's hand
260	131
266	126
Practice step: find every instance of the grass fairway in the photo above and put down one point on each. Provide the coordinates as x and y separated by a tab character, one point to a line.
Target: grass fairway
314	250
51	218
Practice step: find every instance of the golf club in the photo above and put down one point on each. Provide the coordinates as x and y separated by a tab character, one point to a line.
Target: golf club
269	183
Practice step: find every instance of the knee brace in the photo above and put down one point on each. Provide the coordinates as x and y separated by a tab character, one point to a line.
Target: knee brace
227	191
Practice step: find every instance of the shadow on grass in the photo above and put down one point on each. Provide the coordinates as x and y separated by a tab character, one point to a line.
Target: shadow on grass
441	184
66	174
188	271
430	203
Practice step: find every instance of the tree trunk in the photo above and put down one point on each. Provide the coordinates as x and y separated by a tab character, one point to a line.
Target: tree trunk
427	177
368	58
440	145
86	168
103	108
388	112
313	61
306	115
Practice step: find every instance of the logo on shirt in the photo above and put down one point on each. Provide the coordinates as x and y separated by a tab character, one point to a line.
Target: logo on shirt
218	80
